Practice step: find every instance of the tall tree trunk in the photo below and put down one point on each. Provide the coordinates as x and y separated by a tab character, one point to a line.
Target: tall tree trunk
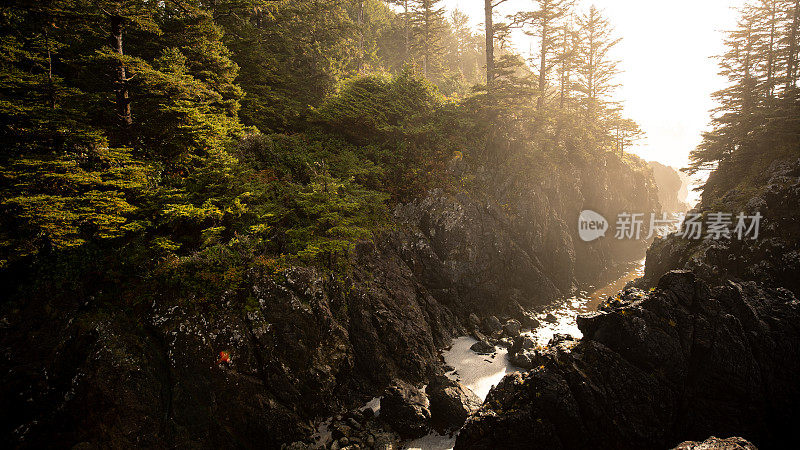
565	74
590	70
543	65
791	58
408	30
426	52
123	97
51	89
487	6
360	35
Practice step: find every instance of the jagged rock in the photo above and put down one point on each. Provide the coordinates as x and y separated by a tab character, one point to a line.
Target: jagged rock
771	259
681	361
406	409
550	318
474	320
521	343
672	187
512	328
530	322
521	359
479	336
482	347
491	325
451	403
304	343
505	342
560	338
713	443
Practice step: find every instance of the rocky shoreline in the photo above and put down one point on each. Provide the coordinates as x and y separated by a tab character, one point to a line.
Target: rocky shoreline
307	345
711	351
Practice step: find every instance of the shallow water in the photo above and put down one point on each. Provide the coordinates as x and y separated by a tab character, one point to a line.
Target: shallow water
477	372
481	372
565	311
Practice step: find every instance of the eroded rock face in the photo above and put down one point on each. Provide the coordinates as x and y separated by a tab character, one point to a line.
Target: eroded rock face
451	403
655	368
407	410
519	246
773	258
298	349
672	187
84	369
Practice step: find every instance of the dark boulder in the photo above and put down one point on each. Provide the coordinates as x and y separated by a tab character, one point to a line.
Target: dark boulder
491	325
523	359
482	347
512	328
406	409
451	403
521	343
479	336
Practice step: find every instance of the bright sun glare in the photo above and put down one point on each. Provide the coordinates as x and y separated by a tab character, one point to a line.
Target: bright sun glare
668	67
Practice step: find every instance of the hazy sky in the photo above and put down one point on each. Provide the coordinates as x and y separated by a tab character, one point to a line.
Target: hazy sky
668	73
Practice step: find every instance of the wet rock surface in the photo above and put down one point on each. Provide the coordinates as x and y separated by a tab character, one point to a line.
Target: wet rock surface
450	403
101	369
407	410
356	429
655	368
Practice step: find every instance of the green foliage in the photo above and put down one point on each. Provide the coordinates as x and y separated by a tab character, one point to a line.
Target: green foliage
188	146
755	122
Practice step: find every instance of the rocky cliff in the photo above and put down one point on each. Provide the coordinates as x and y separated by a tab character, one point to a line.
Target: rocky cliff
656	368
711	351
672	187
304	344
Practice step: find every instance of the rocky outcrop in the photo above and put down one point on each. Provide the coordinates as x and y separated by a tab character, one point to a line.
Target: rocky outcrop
518	245
773	258
107	369
713	443
407	410
654	369
299	347
672	187
451	403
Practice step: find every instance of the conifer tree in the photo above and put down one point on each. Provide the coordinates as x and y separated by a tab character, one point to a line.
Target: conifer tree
596	68
428	25
545	24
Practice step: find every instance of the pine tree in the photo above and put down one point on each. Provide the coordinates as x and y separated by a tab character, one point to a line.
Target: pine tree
428	25
545	24
595	67
754	120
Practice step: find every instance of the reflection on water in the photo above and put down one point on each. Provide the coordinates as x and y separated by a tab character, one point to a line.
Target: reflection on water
477	372
481	372
564	312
